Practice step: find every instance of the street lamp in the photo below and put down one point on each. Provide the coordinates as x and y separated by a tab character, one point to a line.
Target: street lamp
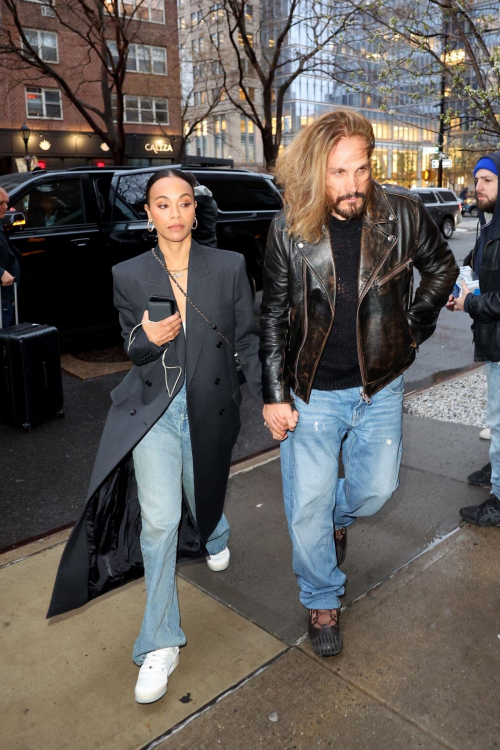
25	133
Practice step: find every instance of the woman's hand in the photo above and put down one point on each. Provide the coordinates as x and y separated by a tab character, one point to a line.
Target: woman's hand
163	331
280	418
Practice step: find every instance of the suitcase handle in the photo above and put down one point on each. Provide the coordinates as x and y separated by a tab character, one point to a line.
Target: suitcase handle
16	311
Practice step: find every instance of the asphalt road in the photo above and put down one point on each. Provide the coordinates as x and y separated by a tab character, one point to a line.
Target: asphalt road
45	473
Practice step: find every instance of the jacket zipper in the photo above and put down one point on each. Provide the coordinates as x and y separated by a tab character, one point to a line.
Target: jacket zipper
306	321
397	269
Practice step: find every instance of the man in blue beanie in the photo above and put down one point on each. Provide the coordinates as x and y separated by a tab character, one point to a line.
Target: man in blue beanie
484	309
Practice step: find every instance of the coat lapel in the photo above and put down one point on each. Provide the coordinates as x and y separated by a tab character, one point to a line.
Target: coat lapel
202	290
319	258
376	239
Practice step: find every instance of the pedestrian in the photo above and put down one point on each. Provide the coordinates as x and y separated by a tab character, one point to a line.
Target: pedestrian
484	309
166	449
207	212
9	266
338	329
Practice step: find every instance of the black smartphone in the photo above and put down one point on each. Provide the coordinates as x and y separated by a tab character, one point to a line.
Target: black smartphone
160	308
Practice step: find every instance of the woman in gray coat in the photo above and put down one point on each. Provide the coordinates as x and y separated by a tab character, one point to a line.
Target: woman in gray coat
163	463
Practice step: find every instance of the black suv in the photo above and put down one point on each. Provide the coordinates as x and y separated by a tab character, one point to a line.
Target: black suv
68	252
444	207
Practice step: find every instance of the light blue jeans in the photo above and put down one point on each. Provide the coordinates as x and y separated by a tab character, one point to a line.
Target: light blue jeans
163	463
493	420
316	500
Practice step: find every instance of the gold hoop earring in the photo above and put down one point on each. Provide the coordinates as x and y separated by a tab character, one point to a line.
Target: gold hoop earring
150	228
195	223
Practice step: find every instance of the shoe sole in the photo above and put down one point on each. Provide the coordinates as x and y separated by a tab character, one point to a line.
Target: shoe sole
479	484
218	568
322	646
156	696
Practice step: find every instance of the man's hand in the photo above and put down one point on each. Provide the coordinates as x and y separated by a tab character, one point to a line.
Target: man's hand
163	331
7	279
457	303
280	418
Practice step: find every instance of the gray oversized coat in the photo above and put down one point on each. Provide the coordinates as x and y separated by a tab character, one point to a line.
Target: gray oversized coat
103	551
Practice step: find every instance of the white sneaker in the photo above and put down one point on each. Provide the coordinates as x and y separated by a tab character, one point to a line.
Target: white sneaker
220	561
154	673
485	434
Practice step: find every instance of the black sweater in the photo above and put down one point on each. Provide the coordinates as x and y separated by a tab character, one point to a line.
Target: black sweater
338	368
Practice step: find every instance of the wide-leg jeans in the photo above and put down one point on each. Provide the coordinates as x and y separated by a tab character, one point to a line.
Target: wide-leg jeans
316	500
163	463
493	420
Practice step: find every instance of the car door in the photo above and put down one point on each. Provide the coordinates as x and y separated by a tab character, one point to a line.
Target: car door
58	244
432	204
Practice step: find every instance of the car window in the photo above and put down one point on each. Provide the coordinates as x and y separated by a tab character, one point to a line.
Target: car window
53	204
102	186
131	197
427	197
241	193
447	196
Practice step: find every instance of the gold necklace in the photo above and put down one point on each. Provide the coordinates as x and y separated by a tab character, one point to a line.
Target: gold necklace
176	272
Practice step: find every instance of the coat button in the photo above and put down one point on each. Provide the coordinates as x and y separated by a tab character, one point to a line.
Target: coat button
134	411
148	384
217	381
222	412
219	344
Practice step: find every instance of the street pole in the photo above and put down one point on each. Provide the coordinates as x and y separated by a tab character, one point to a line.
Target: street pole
25	134
442	110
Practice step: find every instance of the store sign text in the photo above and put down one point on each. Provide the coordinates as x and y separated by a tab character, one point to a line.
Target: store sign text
156	147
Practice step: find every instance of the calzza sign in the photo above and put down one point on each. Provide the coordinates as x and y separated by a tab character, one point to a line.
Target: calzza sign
158	147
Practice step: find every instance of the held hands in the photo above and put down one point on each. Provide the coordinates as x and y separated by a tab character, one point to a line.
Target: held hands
280	418
7	279
163	331
457	303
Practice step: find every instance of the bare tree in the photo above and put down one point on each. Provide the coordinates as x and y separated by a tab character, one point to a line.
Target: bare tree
103	31
289	38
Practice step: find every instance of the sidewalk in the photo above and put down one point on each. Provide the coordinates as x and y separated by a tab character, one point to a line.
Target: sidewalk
421	626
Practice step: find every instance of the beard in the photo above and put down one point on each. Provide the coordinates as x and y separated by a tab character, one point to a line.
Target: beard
486	205
353	211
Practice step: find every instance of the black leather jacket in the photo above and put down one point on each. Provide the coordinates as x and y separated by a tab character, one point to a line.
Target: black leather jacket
298	304
484	309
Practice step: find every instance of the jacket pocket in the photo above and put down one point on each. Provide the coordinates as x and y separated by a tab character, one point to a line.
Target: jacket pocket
119	394
406	265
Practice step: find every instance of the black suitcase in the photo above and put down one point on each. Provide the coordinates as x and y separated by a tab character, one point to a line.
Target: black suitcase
30	379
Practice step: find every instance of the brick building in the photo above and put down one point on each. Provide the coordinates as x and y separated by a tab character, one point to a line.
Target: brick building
60	135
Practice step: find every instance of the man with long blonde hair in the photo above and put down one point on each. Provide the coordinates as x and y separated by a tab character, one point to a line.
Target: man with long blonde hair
339	326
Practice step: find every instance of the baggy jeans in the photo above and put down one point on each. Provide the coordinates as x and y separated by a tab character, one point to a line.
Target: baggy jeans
493	420
163	463
316	500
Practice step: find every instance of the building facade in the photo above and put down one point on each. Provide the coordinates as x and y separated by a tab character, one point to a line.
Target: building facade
60	136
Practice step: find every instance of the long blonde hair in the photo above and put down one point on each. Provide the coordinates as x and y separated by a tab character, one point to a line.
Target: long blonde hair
301	170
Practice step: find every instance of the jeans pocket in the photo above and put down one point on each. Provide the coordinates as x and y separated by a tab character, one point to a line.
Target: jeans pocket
397	386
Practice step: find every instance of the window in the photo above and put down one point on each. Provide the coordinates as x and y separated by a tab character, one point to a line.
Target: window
216	11
427	197
249	12
447	196
217	38
216	68
53	204
200	97
198	46
200	139
43	103
143	58
247	139
143	109
145	10
131	197
182	23
250	93
220	136
241	41
231	193
44	43
270	43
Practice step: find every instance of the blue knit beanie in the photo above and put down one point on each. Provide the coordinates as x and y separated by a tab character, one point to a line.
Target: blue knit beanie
486	163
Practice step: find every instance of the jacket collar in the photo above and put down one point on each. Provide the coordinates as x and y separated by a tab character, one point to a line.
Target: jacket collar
378	209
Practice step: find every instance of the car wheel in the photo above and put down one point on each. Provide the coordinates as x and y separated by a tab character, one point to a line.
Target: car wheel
474	212
447	228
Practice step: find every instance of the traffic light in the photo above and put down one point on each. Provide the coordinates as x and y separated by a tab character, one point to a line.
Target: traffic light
427	174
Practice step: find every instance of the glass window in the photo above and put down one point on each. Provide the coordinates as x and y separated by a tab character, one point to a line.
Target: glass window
53	204
242	193
247	139
43	103
143	58
145	10
446	196
220	136
427	197
44	43
143	109
131	197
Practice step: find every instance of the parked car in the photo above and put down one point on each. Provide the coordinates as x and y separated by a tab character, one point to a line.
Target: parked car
72	226
444	207
472	209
